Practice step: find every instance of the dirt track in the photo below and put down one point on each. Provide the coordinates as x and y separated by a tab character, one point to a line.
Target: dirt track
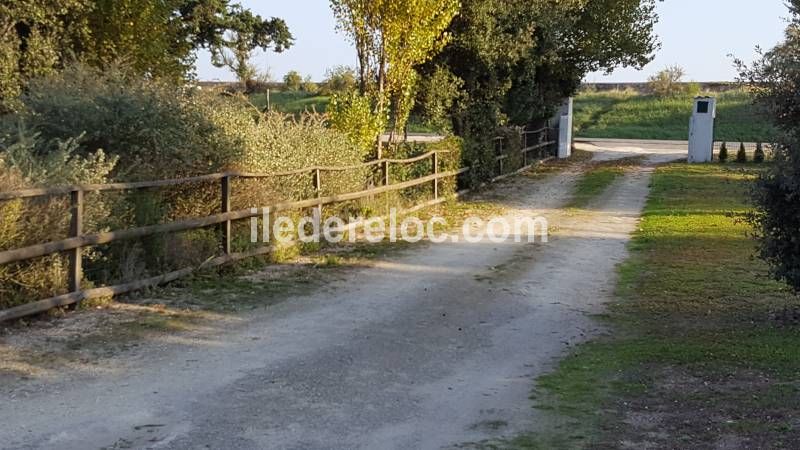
433	348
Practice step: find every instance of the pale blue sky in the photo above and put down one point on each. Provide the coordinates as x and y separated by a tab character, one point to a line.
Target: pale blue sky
696	34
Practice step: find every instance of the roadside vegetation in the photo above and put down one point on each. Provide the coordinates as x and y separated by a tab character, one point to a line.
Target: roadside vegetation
703	348
631	115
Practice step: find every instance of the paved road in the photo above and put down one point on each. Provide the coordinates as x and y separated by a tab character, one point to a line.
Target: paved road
429	349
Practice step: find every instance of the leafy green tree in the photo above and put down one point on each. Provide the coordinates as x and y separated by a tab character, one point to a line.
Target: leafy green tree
438	92
293	80
516	61
392	37
775	78
148	35
573	38
34	35
359	19
154	38
244	33
412	33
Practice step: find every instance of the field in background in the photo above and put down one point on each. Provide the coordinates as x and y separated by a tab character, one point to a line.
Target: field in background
610	114
629	115
291	102
296	102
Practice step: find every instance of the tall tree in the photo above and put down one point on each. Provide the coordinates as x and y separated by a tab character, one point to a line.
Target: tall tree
245	33
574	38
359	20
511	62
392	37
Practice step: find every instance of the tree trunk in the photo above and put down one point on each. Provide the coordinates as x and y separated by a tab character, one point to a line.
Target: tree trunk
363	65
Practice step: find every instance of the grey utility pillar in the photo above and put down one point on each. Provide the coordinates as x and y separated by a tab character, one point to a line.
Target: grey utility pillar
701	130
565	130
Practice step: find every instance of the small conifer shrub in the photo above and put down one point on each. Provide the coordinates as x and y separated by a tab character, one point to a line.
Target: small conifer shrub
741	155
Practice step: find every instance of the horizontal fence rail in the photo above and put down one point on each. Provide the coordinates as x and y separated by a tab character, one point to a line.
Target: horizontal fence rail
77	240
63	190
49	248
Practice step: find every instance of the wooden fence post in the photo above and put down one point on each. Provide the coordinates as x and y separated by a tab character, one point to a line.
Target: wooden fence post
226	207
386	181
436	172
502	153
318	189
524	148
76	230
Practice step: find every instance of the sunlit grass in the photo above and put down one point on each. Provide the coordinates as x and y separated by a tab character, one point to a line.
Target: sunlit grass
692	329
598	178
628	115
291	102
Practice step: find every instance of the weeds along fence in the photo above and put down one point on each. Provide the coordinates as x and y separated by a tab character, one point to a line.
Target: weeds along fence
429	172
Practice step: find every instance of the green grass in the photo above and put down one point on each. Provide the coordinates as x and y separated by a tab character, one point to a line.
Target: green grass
628	115
696	352
592	184
597	179
291	102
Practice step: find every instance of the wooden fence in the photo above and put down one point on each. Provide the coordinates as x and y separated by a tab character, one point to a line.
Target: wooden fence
78	240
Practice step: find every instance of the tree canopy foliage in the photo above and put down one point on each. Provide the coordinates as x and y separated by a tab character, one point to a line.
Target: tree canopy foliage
519	59
155	38
393	37
512	63
489	63
242	33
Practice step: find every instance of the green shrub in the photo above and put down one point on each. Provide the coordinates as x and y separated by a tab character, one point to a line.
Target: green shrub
156	130
151	131
691	89
354	115
511	147
723	152
741	155
666	83
449	159
339	80
309	86
28	161
293	80
759	155
436	96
